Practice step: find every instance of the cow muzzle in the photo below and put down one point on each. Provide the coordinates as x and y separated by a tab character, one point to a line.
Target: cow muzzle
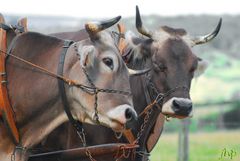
178	107
121	115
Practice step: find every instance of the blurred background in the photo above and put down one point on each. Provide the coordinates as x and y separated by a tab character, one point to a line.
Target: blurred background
214	131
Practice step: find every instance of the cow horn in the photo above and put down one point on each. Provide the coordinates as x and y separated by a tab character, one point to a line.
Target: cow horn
137	72
139	26
95	27
208	37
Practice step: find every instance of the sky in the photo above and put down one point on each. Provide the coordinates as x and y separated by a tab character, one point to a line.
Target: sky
111	8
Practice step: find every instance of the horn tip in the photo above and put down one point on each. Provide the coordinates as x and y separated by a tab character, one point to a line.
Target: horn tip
138	18
220	21
137	7
219	25
118	17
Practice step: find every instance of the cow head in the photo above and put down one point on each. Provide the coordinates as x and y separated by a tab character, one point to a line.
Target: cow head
100	58
168	53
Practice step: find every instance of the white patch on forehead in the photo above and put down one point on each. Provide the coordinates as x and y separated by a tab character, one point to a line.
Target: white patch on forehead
160	36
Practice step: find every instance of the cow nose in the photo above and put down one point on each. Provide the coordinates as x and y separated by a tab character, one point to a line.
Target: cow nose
130	115
182	107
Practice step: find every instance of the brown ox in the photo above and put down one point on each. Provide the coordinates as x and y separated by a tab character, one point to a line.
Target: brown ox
168	53
35	96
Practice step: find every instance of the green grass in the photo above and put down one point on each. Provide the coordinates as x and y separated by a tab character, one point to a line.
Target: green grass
203	146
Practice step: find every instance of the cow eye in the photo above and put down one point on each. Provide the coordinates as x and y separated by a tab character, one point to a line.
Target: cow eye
108	62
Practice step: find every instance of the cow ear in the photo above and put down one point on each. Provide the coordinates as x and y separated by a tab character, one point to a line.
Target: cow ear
87	54
202	66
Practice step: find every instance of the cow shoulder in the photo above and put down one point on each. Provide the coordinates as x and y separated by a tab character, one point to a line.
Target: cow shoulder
33	43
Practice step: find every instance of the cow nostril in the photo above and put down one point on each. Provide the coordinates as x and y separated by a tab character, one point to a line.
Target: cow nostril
189	107
176	105
128	114
182	107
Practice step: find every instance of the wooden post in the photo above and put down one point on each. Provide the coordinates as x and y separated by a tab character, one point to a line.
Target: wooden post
183	141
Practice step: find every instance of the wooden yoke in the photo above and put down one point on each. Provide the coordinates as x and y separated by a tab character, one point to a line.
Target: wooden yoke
6	111
121	44
23	23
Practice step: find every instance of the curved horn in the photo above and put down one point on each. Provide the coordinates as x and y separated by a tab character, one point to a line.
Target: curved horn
139	26
95	27
208	37
137	72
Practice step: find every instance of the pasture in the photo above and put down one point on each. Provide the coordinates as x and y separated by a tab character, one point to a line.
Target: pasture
204	146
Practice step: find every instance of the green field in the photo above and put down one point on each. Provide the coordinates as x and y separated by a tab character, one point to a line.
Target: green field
203	147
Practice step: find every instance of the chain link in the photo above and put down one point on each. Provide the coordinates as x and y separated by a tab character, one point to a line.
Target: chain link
145	121
82	137
148	110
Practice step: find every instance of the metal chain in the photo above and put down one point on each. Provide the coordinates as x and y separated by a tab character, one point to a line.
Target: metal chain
148	110
82	137
145	121
96	117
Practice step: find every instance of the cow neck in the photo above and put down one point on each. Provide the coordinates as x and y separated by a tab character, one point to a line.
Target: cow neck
61	85
148	95
127	56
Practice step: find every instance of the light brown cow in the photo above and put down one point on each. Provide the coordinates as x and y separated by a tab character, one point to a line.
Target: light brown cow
35	96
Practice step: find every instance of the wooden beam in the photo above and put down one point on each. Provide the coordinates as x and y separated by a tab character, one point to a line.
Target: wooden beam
80	153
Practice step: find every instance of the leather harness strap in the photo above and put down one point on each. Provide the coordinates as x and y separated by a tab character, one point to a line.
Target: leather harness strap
5	106
61	85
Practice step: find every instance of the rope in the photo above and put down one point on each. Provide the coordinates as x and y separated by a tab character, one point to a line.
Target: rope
88	89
